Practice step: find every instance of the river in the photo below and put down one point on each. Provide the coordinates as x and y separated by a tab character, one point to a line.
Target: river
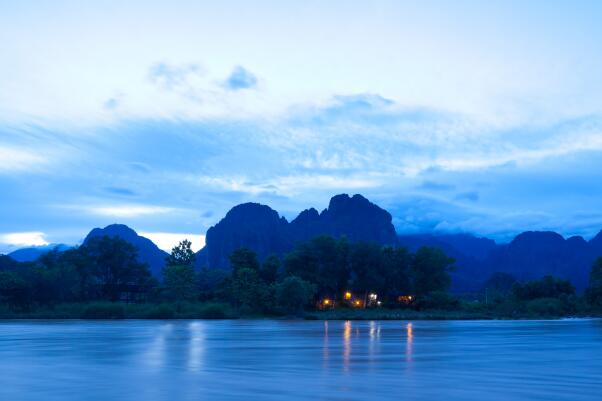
301	360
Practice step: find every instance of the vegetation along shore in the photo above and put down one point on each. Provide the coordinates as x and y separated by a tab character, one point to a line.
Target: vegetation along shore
323	278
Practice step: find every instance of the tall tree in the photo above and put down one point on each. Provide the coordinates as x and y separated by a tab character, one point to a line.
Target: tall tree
244	258
179	279
180	283
293	293
270	269
181	255
430	271
115	267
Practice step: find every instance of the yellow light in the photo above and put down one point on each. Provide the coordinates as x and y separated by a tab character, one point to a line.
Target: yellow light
347	295
357	302
326	301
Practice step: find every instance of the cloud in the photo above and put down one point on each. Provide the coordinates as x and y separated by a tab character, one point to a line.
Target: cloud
436	186
22	239
113	102
13	159
240	78
128	210
167	241
174	77
290	185
472	196
120	191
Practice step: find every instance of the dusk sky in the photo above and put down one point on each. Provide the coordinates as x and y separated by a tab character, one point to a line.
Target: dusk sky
465	116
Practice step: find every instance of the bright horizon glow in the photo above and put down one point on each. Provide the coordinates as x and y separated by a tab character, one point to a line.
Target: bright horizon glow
167	241
23	239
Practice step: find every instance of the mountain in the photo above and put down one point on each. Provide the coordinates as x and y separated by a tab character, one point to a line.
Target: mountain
33	253
534	254
354	217
262	229
528	256
6	262
470	253
248	225
148	252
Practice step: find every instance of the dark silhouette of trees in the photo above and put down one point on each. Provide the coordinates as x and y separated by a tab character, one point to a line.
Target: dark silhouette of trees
430	271
181	255
293	294
594	290
244	258
179	278
114	267
547	287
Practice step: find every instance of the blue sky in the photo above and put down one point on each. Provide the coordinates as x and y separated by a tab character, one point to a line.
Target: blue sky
463	116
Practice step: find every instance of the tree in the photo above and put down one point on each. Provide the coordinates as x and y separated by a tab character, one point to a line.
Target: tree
499	286
331	256
14	291
397	263
248	290
115	267
367	267
180	283
301	262
213	283
269	269
181	255
293	293
430	271
500	282
547	287
594	290
244	258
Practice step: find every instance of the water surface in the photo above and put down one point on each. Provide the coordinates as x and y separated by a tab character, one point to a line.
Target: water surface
298	360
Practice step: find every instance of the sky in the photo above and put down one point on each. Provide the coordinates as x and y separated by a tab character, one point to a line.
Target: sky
456	116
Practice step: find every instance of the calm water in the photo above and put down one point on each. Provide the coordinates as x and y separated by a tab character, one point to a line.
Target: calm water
294	360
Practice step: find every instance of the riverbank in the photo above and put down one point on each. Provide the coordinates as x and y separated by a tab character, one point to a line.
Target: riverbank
116	311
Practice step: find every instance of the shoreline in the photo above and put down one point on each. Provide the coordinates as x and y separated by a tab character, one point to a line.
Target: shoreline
221	311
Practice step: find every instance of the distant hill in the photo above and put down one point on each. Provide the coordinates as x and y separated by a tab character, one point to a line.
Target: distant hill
470	253
534	254
148	252
33	253
262	229
529	256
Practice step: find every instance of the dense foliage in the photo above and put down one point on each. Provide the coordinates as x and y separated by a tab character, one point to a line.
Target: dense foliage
104	273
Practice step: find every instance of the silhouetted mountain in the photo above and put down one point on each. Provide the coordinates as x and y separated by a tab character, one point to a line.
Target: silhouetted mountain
148	252
250	225
260	228
470	253
530	255
6	262
534	254
596	245
354	217
33	253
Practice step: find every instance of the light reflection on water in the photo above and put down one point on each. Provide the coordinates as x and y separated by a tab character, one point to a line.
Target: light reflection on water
282	360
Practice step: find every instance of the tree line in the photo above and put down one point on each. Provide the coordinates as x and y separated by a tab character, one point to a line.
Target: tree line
316	273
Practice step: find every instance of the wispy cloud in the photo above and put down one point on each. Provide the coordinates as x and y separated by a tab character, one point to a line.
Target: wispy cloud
13	159
22	239
126	211
240	78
